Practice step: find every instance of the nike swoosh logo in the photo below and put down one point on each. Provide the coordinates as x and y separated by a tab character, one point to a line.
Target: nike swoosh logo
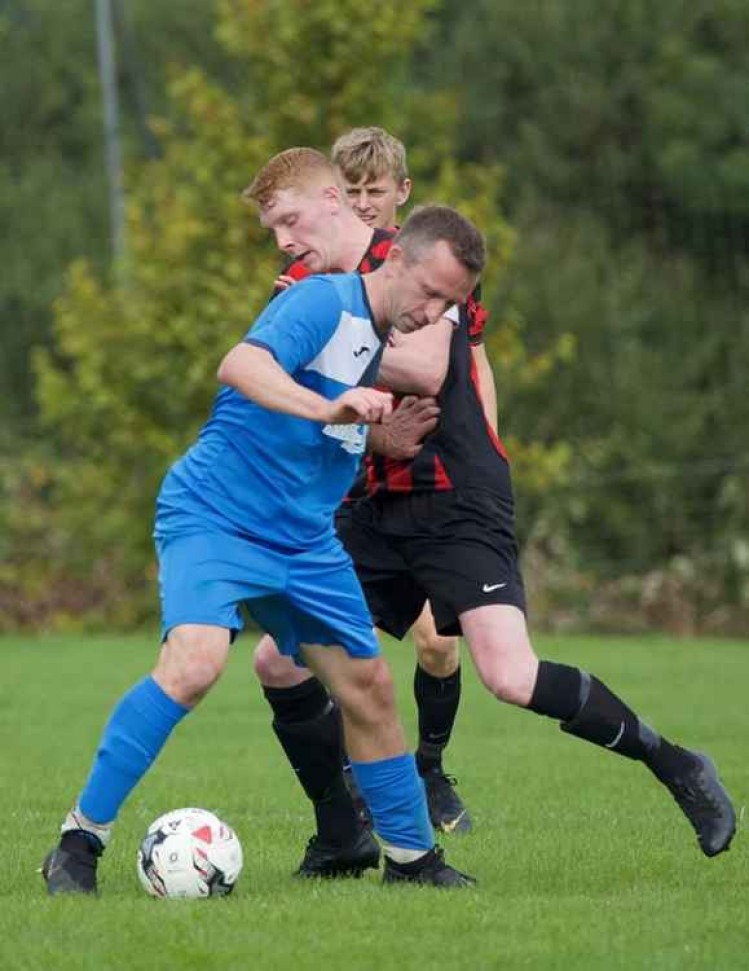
617	739
361	351
450	827
489	587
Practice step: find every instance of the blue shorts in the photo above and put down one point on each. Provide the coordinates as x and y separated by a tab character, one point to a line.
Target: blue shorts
310	597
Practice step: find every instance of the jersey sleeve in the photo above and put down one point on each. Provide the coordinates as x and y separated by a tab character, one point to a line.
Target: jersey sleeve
298	324
477	318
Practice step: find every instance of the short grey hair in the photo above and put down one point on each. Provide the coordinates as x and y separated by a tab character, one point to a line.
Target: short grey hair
434	223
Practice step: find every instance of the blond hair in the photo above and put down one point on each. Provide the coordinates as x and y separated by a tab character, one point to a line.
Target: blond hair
292	169
368	153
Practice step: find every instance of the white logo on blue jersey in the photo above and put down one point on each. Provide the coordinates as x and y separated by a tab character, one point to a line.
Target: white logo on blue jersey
353	438
343	358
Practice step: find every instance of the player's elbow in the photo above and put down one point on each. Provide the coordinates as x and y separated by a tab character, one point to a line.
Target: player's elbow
431	382
225	370
233	364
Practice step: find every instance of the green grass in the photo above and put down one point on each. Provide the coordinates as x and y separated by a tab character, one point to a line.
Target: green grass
583	861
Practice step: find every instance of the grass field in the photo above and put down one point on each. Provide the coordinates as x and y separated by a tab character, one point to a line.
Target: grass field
583	861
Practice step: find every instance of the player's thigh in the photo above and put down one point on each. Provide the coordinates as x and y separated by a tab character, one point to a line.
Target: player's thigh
394	597
354	681
322	603
499	644
468	558
364	689
204	577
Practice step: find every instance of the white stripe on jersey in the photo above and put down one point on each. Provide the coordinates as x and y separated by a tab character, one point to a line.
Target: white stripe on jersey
348	353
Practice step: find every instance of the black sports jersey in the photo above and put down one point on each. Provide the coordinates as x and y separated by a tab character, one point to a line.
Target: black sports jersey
372	259
463	451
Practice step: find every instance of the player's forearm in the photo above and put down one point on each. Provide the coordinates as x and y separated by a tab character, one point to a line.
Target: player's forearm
487	385
253	372
417	363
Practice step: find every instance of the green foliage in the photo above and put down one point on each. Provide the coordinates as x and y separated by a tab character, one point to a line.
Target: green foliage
132	371
614	134
48	185
599	98
313	70
621	127
53	192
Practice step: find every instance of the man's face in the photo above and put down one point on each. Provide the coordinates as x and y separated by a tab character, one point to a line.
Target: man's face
304	224
423	288
375	201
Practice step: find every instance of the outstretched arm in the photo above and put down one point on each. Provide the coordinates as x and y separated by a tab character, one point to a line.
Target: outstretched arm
254	372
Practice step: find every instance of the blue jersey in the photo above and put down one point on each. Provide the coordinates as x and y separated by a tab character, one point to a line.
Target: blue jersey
268	476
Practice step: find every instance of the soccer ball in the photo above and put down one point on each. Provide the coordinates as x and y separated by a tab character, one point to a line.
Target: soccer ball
189	853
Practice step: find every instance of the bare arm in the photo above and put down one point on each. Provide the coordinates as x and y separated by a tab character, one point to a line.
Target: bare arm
401	434
417	363
254	372
487	387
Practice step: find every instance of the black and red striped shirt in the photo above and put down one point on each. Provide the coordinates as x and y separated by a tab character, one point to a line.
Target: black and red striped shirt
463	451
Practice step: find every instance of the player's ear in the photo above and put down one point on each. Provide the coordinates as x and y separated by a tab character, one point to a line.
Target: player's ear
332	195
394	260
404	192
395	254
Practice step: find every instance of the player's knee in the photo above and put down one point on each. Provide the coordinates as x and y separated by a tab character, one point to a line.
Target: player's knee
189	665
509	683
271	667
438	656
372	698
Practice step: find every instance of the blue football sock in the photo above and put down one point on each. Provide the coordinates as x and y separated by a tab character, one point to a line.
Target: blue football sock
133	737
394	792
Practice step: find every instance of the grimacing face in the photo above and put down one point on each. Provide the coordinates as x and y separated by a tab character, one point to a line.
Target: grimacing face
375	201
424	287
301	220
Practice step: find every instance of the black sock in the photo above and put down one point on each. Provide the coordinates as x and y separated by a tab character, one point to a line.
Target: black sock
437	700
300	703
307	723
589	710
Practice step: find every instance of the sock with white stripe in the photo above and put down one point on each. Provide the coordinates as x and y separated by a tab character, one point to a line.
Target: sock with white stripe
587	709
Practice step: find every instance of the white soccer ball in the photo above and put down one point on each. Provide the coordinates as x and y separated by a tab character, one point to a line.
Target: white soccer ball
189	853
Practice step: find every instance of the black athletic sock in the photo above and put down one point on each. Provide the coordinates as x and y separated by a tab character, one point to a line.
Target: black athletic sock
300	703
308	725
589	710
437	700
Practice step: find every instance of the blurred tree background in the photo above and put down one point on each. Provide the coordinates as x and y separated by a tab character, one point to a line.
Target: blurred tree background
603	148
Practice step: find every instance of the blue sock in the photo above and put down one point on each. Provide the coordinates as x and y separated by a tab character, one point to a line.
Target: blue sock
394	792
133	737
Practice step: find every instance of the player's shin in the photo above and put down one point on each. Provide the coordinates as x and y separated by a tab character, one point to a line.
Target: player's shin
307	723
437	700
132	739
135	734
589	710
395	795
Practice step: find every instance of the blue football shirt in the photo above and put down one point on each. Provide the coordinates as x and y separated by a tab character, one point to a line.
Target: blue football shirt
272	477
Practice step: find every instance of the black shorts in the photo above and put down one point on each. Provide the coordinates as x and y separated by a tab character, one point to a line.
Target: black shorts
456	549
